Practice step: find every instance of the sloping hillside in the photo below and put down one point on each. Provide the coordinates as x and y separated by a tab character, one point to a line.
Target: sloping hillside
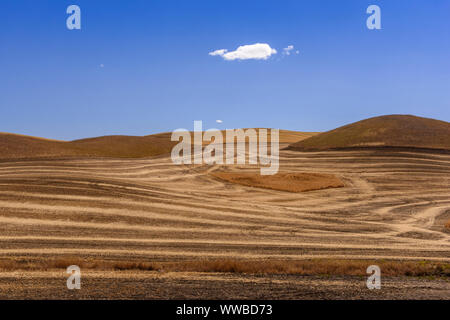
19	146
385	131
14	146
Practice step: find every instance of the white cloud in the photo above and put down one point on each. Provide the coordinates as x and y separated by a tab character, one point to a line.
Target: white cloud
257	51
219	52
288	50
219	121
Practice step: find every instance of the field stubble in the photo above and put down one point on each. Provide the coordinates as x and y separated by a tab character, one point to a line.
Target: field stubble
150	217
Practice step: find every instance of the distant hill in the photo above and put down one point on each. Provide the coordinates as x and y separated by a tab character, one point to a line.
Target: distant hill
19	146
285	136
15	146
403	131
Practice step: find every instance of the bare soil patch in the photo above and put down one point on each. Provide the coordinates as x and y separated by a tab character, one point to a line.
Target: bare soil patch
291	182
192	285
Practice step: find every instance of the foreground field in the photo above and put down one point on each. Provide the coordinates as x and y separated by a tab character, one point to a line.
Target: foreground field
394	206
197	285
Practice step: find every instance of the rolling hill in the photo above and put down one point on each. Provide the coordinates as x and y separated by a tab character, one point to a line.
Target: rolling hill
400	131
19	146
15	146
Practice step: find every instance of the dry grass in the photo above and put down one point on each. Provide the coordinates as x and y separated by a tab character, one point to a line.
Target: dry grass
64	262
291	182
385	131
329	267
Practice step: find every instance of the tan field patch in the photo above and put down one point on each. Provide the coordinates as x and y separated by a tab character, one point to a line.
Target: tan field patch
285	136
291	182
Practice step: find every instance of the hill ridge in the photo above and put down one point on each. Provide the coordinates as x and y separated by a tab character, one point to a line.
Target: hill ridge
389	131
17	146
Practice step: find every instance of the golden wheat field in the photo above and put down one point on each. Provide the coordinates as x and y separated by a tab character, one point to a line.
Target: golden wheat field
147	228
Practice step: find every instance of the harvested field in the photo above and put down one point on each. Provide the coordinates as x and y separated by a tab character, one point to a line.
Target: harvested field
132	215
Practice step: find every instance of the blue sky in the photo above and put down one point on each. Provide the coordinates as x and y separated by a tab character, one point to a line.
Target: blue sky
157	74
